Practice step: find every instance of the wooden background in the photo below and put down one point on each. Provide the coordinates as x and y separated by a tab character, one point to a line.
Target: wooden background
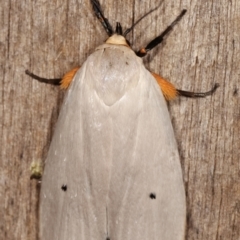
51	37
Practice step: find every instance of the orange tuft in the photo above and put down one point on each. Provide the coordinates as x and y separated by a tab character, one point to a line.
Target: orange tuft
168	90
68	77
143	51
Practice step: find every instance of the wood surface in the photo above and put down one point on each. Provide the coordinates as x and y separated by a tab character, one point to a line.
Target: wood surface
51	37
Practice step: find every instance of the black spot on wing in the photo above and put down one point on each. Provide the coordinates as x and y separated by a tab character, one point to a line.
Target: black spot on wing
152	195
64	187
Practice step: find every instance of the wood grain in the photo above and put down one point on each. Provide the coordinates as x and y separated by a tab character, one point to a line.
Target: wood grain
51	37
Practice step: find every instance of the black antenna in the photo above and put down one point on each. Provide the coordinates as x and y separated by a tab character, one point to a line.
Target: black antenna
139	20
99	13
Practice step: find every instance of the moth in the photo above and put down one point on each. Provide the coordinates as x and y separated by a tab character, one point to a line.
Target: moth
113	170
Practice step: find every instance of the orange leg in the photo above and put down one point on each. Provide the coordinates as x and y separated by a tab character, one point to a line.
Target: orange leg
67	78
63	82
168	90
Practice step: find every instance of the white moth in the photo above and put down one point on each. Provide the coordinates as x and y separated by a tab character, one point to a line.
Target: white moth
113	170
114	149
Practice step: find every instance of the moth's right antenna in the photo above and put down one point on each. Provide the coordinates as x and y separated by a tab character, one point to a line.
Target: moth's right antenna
140	19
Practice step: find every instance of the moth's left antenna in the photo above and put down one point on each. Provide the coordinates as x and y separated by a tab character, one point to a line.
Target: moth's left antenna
99	13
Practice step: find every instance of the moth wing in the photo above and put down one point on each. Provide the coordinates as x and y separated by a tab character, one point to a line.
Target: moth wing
114	149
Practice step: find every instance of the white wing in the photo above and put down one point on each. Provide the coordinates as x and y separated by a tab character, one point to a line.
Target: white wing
115	151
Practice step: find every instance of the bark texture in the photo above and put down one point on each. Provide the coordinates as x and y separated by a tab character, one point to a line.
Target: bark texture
51	37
